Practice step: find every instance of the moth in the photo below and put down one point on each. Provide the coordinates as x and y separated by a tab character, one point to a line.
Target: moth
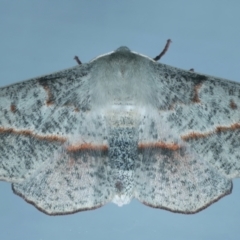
122	126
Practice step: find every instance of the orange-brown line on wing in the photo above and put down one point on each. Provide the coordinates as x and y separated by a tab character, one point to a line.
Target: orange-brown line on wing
196	135
233	105
87	146
163	145
234	126
49	100
76	109
51	138
13	108
196	89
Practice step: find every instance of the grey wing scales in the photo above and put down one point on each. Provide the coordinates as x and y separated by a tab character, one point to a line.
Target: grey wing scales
201	119
68	183
49	138
178	180
205	113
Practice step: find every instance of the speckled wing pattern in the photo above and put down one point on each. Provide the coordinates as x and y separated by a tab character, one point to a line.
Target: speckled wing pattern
120	127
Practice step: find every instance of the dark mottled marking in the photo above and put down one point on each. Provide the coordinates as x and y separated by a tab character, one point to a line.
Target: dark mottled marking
119	186
13	108
233	105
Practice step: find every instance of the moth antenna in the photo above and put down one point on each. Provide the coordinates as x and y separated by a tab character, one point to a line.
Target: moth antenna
77	60
163	51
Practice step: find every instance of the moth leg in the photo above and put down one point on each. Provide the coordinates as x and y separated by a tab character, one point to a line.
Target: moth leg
77	60
163	51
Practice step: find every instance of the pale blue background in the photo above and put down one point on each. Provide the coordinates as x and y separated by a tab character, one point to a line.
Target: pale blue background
40	37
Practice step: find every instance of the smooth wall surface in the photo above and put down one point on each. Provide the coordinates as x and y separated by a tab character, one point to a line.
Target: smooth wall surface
41	37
